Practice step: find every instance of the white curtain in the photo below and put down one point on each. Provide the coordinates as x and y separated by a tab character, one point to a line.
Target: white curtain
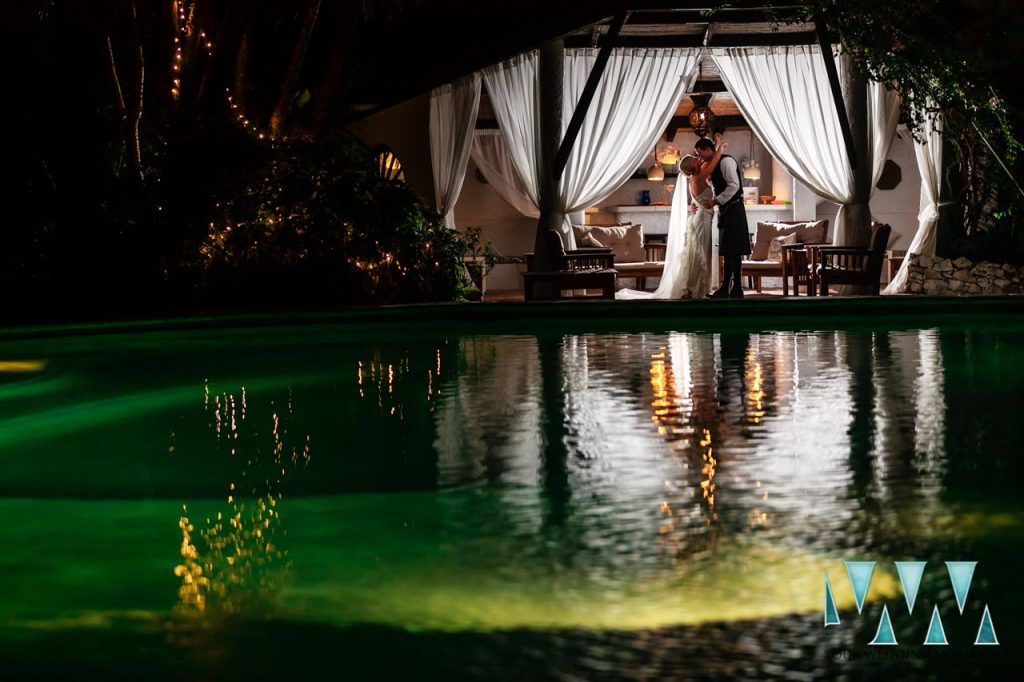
929	163
785	95
493	160
635	99
453	110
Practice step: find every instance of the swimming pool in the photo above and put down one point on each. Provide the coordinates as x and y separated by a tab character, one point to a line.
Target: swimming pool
579	500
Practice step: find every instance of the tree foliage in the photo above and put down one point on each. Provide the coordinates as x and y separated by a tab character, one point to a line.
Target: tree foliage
952	58
141	125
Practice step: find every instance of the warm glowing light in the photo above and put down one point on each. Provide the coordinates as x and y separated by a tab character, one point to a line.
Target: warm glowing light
22	366
755	388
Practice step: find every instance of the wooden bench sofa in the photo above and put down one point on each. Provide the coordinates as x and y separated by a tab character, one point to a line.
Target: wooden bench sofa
579	269
634	258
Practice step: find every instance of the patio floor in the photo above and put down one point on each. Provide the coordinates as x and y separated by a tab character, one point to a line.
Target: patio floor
494	296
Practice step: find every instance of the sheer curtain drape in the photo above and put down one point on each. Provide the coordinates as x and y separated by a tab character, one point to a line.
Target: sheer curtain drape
785	96
494	162
929	163
635	99
453	110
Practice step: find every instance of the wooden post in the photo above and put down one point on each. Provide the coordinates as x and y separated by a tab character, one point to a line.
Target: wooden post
837	92
550	67
857	216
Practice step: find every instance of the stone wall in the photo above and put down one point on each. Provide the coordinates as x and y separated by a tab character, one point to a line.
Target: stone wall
934	276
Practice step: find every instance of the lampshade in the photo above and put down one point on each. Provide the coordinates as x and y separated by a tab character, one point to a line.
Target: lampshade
751	171
656	173
669	155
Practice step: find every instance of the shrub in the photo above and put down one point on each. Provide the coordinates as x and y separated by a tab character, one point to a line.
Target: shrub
315	223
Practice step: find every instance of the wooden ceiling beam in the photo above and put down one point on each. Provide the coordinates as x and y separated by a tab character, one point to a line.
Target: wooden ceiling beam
682	123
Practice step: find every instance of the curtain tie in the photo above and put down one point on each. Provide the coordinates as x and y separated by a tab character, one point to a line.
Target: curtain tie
929	213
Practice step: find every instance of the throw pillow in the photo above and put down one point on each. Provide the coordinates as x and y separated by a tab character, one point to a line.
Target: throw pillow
775	248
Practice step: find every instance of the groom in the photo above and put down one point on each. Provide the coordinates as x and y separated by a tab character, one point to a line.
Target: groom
733	239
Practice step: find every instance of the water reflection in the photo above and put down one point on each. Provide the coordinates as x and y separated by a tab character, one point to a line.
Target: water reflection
236	562
538	484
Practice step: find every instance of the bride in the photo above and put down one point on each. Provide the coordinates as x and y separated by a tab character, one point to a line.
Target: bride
688	251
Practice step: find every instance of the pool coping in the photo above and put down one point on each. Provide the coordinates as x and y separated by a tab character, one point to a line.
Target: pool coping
887	310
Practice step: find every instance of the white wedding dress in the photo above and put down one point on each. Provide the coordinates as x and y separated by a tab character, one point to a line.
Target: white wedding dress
687	253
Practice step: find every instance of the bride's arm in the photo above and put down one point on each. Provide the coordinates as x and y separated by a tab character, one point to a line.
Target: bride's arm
711	164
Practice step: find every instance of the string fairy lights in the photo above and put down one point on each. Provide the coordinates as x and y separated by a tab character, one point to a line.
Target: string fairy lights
184	31
242	119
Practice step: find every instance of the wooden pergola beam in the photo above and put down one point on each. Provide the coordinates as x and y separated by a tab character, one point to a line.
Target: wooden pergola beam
697	40
580	112
725	15
731	121
707	34
837	91
675	124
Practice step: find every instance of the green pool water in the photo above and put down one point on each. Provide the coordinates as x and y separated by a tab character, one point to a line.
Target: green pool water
322	500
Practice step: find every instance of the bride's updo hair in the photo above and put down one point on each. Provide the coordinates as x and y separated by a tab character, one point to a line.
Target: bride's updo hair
690	165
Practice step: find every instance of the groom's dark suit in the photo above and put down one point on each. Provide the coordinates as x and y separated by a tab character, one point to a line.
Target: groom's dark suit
733	239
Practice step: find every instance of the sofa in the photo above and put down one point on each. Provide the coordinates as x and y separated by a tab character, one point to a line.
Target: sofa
764	261
633	258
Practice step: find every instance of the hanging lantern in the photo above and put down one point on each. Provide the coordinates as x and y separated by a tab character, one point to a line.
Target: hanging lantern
701	118
656	173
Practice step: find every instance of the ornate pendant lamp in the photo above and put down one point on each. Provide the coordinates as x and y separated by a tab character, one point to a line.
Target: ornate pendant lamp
701	119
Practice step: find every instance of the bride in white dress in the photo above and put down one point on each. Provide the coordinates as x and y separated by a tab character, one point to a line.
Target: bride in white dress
688	251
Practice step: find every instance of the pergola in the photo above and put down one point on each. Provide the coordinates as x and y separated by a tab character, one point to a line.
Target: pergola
605	26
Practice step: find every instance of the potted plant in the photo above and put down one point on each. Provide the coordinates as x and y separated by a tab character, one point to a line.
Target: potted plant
479	259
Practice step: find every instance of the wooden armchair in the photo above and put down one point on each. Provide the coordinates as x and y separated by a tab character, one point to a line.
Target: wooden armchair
802	261
592	267
854	265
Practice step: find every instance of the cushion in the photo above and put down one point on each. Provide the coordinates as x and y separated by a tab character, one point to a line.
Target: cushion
813	232
775	248
626	241
587	239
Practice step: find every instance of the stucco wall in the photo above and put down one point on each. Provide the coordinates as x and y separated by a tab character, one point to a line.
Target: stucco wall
405	128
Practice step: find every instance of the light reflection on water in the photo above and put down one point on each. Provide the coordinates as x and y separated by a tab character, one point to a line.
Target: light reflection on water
619	482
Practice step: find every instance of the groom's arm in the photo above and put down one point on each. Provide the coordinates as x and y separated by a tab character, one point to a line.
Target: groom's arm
730	172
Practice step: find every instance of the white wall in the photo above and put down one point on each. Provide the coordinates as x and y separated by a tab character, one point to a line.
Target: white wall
405	128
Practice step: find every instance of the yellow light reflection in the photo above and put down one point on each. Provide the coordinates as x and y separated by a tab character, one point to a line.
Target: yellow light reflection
755	387
22	366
